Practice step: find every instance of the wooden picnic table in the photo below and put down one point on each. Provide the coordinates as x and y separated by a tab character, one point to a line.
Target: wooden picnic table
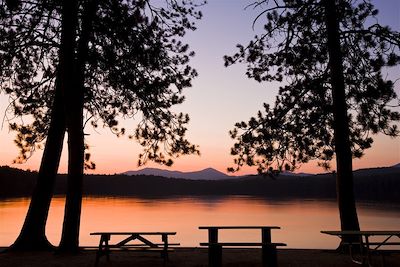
364	242
269	253
144	243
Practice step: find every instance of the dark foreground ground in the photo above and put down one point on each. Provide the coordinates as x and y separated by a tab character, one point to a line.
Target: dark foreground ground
193	257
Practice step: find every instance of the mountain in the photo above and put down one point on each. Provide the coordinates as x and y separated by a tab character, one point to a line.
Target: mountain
206	174
396	166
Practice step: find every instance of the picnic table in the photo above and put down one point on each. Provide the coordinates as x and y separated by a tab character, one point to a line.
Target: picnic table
144	244
269	253
364	242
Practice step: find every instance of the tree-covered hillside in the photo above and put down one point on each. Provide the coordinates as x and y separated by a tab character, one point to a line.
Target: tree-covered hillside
378	184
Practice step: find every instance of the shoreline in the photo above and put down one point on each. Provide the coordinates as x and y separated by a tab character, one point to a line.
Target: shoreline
192	257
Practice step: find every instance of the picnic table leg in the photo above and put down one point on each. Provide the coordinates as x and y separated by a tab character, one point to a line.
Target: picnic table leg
214	250
103	248
269	254
367	251
164	253
107	247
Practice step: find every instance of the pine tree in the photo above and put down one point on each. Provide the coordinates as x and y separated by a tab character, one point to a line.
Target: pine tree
329	56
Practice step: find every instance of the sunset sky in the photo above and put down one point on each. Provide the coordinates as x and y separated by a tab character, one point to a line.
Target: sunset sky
219	97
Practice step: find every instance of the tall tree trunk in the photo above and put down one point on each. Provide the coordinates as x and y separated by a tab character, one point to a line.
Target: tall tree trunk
344	174
70	234
74	114
32	235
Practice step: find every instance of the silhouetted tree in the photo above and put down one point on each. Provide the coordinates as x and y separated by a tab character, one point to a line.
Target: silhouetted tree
30	75
329	55
128	59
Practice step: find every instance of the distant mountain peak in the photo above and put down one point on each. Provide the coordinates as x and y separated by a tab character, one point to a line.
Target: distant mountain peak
205	174
212	170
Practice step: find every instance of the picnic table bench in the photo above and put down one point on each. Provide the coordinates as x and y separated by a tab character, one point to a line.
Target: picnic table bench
144	244
269	253
364	244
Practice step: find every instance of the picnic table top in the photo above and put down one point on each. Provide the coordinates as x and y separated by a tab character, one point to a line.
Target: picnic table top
239	227
133	233
369	232
241	243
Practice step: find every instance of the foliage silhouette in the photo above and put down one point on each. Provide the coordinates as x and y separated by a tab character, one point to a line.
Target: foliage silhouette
329	55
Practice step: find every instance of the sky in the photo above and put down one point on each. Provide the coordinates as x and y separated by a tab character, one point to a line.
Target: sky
218	99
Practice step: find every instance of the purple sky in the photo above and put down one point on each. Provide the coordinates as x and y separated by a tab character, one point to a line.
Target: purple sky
219	97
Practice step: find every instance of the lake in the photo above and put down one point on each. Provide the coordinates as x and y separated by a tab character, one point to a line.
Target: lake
301	220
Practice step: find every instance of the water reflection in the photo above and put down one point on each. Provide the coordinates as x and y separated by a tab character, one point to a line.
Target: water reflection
301	220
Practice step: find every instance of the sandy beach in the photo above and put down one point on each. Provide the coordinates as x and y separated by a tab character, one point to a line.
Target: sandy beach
192	257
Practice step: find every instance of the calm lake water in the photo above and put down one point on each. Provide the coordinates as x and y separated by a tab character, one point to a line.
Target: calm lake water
301	220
